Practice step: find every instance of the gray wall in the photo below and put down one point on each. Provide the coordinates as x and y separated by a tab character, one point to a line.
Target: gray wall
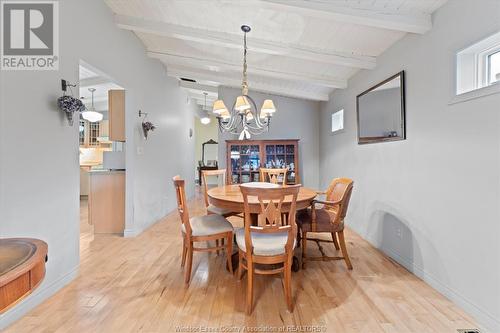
294	119
39	168
439	189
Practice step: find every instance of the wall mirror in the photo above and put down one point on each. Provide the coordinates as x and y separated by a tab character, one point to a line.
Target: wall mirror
209	153
381	111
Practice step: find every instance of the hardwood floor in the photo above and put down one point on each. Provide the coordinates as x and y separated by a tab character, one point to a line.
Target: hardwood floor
137	285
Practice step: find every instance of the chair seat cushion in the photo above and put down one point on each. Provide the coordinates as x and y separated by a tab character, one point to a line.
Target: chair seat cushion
323	221
208	225
219	211
271	244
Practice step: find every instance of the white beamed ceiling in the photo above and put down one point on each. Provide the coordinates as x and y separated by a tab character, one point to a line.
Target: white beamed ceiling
297	48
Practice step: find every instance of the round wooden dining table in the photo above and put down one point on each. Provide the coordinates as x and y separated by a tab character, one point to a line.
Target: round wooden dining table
230	197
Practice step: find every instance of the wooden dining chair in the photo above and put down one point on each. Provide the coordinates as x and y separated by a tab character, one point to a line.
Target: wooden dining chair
273	175
329	219
220	175
272	241
201	229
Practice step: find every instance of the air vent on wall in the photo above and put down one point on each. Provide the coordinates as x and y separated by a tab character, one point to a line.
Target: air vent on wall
188	80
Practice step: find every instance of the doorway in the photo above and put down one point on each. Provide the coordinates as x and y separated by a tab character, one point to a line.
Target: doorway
206	146
94	139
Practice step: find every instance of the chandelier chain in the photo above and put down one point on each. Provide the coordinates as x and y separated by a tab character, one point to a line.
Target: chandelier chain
244	85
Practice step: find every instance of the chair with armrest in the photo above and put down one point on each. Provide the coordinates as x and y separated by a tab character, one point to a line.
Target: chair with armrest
329	219
201	229
272	241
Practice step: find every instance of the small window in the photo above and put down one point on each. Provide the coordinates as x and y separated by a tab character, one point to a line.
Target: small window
494	67
338	121
478	66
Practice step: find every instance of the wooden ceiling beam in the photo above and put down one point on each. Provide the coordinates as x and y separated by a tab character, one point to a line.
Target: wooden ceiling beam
384	19
177	59
234	40
227	79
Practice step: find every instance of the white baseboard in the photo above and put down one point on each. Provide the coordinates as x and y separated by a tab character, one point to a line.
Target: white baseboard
487	321
36	298
131	233
137	231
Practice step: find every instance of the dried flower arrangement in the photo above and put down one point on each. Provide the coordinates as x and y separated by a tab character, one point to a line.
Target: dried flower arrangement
70	105
146	127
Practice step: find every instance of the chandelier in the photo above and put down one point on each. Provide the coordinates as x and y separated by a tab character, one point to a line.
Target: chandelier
244	118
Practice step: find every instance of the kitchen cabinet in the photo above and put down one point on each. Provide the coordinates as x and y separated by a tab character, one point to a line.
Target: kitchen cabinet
107	201
91	134
116	109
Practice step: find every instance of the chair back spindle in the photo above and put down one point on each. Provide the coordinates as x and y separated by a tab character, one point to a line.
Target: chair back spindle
273	175
220	175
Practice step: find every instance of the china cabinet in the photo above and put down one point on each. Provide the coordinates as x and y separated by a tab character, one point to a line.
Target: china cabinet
246	157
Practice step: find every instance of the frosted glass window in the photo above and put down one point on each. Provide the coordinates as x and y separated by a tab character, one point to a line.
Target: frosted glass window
338	121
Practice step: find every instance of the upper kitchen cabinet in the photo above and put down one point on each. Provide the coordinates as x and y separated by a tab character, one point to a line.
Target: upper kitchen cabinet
116	107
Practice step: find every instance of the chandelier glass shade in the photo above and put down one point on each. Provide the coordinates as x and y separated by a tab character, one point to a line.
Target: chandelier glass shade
244	118
91	115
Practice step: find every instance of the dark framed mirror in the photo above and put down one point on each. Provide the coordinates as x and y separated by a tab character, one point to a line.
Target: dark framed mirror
381	111
209	153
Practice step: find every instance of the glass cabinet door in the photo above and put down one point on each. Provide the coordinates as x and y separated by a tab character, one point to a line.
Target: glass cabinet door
290	164
235	164
245	163
281	156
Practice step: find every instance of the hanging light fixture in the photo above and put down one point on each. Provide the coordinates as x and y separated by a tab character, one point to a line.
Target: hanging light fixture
91	114
244	118
205	120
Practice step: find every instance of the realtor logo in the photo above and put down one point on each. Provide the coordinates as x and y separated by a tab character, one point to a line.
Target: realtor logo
29	35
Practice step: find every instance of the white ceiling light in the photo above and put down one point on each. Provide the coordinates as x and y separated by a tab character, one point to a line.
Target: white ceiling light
91	114
205	120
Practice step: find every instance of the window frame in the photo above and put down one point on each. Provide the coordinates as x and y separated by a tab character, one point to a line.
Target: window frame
342	128
488	65
472	77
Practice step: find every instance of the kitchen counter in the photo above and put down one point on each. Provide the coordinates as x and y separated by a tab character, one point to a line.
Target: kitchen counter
107	201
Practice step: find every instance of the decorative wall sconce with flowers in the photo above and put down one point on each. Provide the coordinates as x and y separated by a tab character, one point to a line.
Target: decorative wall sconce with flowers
147	126
68	103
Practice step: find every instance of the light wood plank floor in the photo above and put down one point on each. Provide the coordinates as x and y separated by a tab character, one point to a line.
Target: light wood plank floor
136	285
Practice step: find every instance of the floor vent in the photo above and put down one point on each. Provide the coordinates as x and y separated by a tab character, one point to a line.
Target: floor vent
465	330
